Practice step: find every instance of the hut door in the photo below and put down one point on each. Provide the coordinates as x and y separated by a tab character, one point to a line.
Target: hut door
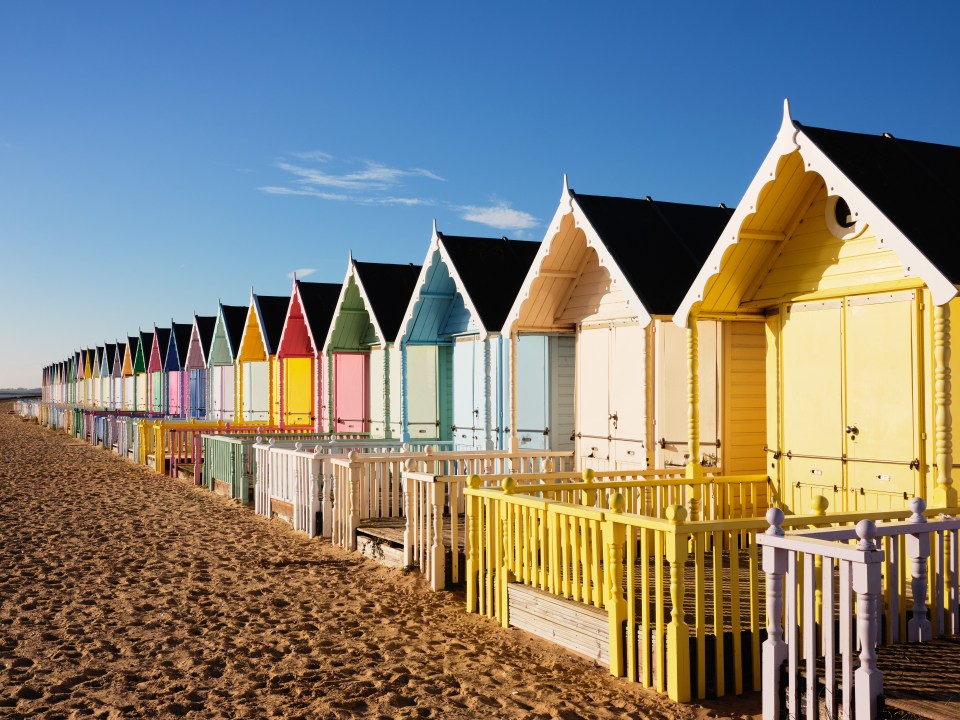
256	391
298	390
628	396
880	423
465	411
226	391
423	419
533	391
350	392
812	409
593	395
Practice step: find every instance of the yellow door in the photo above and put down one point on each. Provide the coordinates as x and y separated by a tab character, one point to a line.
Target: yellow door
881	400
812	439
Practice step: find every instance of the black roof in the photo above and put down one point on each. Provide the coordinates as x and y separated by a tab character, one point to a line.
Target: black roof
111	350
659	246
181	335
146	340
163	341
273	313
492	271
205	326
912	183
389	289
319	303
234	318
132	343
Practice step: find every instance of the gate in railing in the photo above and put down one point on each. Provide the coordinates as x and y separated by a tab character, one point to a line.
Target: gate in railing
829	587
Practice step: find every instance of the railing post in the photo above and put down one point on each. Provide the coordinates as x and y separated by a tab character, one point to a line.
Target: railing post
945	493
159	451
350	542
614	541
918	550
818	508
694	470
588	497
504	576
474	521
868	680
438	563
774	648
409	528
678	633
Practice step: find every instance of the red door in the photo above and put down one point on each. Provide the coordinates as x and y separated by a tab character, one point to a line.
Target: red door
351	392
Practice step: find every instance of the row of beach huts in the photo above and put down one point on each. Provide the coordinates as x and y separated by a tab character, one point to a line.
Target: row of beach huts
708	447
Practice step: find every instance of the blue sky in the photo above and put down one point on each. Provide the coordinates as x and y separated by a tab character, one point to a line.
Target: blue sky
156	157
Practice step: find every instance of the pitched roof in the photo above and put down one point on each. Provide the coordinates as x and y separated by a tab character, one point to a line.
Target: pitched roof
205	328
111	350
163	342
234	318
659	246
492	271
319	303
273	313
388	289
181	336
912	183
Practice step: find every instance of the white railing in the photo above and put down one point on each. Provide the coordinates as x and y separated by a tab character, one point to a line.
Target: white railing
829	595
294	473
29	409
372	487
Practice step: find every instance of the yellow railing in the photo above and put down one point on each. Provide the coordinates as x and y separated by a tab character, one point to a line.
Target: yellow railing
641	570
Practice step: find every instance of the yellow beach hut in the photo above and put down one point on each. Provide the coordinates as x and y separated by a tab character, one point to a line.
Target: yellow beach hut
610	273
258	379
129	383
838	252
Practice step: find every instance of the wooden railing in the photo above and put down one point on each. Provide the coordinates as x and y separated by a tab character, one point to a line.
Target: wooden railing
437	501
638	569
831	596
371	486
297	484
28	409
230	461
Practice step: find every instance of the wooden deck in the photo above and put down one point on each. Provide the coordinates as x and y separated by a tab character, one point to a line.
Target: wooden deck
922	679
391	530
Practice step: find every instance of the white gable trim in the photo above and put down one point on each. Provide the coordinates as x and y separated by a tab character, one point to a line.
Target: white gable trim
406	323
790	139
567	206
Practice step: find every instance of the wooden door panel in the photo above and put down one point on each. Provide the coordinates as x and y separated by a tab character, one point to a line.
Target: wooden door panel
350	392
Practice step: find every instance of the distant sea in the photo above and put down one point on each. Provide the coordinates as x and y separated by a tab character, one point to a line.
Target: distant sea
8	393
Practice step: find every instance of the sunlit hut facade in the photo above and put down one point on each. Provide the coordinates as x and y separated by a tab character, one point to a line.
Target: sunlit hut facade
155	371
303	377
258	374
129	382
201	337
836	251
609	274
116	375
362	359
224	349
141	377
454	371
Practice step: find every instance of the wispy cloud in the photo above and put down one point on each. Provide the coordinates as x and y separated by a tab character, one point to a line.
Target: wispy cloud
318	174
301	273
500	216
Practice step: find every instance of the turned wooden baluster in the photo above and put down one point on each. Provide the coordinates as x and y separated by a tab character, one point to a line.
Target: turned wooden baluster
918	550
774	648
868	680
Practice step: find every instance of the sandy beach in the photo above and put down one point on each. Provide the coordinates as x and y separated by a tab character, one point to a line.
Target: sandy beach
124	595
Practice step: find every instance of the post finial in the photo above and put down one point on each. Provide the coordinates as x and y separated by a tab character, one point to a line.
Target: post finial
676	514
775	520
509	485
819	504
473	482
587	475
917	506
617	503
867	532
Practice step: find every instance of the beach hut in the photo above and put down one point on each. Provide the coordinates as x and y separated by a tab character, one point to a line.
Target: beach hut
174	368
220	362
142	378
129	381
837	255
198	352
300	352
258	379
453	379
362	358
76	379
96	367
609	274
106	376
88	363
116	376
158	378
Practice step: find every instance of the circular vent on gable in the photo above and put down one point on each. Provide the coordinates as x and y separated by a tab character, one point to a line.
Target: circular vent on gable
842	222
